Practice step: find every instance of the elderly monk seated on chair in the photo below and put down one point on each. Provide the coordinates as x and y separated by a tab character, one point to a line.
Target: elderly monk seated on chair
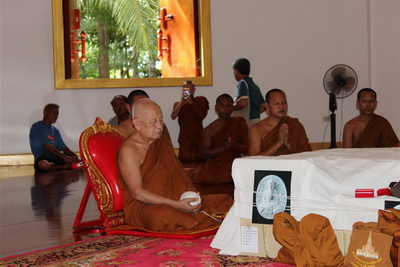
223	140
153	179
126	126
278	134
368	129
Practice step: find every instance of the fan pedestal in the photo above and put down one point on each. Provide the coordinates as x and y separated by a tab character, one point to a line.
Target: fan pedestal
332	108
333	130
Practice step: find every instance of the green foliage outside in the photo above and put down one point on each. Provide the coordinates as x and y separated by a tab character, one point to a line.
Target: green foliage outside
121	38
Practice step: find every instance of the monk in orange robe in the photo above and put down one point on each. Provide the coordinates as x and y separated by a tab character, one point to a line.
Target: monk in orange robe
297	136
191	112
368	129
224	139
377	133
153	179
278	134
126	126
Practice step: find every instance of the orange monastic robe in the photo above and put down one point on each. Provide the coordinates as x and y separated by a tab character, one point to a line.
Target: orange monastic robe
218	169
190	119
378	133
163	174
297	138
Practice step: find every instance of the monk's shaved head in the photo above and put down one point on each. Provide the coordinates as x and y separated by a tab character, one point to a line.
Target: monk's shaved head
148	118
142	106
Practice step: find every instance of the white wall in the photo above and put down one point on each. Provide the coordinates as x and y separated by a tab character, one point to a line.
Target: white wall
385	58
291	44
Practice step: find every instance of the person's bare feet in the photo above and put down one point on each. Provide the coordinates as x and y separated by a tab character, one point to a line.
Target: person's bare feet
45	165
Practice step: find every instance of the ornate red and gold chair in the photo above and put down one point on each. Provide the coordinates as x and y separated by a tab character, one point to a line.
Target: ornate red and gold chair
98	146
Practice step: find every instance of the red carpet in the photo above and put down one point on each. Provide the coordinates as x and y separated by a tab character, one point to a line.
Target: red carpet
119	250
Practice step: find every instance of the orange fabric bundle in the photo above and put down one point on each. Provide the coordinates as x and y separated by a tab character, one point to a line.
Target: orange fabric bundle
310	242
389	220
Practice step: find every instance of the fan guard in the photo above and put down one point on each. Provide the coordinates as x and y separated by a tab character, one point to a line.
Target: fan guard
340	80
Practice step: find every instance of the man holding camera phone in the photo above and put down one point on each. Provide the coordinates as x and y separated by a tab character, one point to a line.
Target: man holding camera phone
191	112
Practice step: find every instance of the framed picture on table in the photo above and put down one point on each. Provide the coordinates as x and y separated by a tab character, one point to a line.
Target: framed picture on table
271	195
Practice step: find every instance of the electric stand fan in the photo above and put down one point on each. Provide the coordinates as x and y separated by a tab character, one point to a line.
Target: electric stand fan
340	81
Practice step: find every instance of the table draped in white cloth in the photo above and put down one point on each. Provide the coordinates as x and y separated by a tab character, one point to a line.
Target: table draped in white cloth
322	182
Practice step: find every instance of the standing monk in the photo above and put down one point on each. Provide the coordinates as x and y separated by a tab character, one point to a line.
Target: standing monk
224	139
368	129
191	112
153	179
278	134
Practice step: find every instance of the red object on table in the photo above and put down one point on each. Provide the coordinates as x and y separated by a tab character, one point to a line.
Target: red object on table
363	193
383	192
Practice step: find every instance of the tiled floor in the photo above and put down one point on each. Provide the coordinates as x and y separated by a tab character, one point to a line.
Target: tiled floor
38	211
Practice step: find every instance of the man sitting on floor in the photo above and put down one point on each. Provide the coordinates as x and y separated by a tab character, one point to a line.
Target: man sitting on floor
48	148
223	140
153	179
278	134
368	129
126	126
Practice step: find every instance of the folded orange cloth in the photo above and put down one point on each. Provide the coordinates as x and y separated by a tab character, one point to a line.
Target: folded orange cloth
310	242
389	220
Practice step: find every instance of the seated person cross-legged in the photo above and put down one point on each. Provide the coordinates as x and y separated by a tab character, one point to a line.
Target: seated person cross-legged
223	140
278	134
152	179
368	129
48	148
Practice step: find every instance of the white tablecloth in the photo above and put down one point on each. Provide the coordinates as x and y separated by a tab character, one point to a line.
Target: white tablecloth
323	182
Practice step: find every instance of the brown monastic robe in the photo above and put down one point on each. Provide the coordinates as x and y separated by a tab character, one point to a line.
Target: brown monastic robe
190	120
166	132
378	133
163	174
297	138
218	169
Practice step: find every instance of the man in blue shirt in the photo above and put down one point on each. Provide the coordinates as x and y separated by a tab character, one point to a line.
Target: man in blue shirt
48	148
249	100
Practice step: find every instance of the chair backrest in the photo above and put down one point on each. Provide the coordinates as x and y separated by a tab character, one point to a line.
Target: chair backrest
99	145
